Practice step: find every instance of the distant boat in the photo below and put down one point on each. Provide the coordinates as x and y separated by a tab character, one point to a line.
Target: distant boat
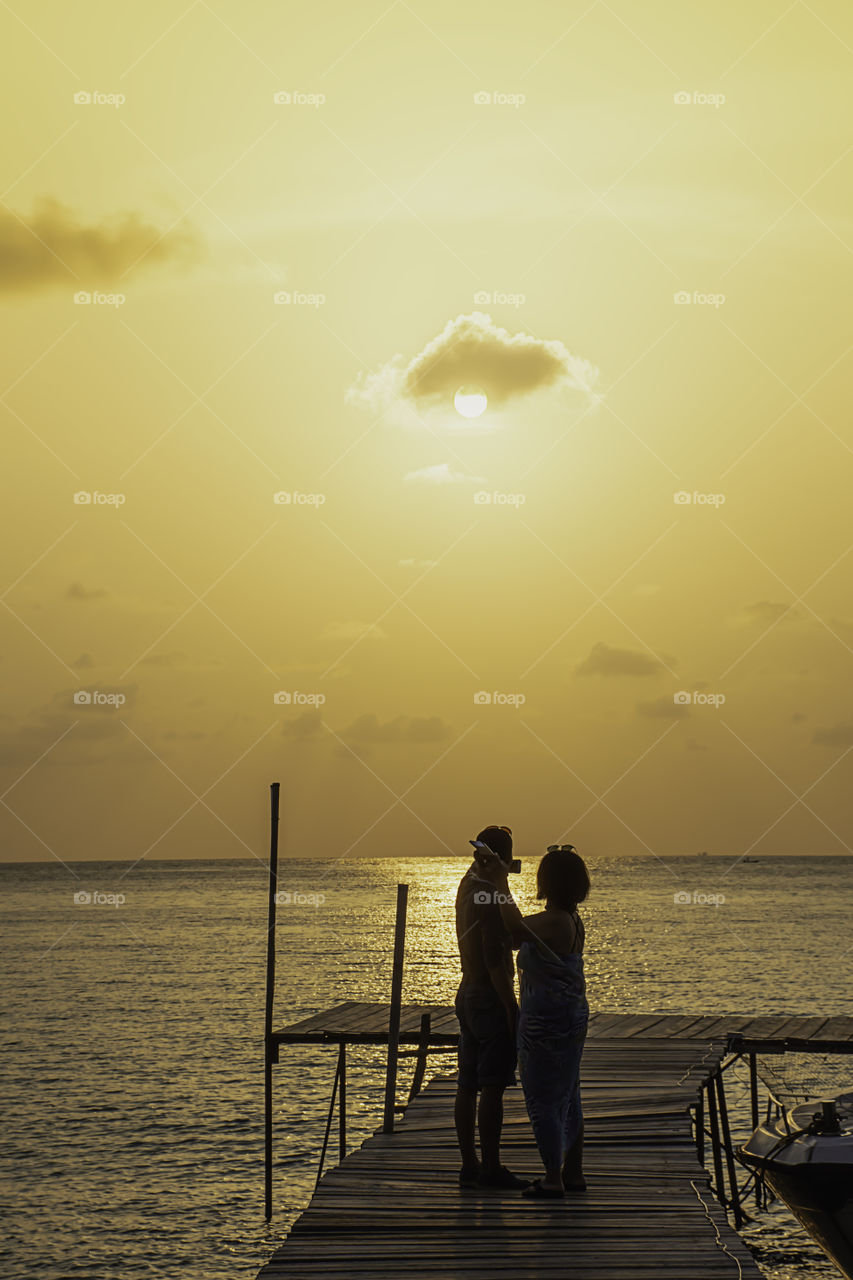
703	854
806	1156
750	859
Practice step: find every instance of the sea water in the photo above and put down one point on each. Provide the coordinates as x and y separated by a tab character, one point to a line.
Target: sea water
133	1082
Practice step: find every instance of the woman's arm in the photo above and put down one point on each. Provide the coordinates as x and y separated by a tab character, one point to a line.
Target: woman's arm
519	928
513	920
492	869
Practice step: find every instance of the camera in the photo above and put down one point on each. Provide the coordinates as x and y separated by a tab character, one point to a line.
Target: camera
482	854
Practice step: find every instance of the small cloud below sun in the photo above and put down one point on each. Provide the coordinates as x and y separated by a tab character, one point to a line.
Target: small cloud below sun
439	474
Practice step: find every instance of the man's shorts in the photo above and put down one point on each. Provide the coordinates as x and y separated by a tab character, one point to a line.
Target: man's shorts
487	1050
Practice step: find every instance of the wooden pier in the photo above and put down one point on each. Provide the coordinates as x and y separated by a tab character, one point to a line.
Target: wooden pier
394	1204
653	1094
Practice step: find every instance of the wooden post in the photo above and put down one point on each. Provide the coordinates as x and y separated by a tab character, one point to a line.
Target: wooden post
700	1127
423	1050
727	1147
270	998
753	1089
396	999
342	1102
715	1145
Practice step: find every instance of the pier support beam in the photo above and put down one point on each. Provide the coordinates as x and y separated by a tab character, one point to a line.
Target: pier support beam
396	1001
270	1051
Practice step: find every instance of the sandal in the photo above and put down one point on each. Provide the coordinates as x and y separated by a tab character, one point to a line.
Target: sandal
537	1191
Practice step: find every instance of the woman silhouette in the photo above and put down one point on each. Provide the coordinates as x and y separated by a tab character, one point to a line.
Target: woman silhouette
554	1012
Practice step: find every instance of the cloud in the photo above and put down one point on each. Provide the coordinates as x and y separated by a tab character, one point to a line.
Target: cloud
441	473
367	728
78	592
767	612
302	727
472	349
303	671
840	735
663	709
604	661
51	246
352	631
37	735
175	659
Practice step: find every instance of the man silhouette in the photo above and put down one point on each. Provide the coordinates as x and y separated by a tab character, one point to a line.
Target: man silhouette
488	1014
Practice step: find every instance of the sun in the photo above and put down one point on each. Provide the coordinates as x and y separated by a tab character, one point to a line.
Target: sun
470	401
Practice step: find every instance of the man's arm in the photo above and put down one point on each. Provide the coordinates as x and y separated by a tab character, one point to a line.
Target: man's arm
503	983
496	956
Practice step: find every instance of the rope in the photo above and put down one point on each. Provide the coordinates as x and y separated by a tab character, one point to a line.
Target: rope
329	1122
761	1169
719	1241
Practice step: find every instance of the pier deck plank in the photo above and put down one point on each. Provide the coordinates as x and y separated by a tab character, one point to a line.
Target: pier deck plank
394	1203
357	1022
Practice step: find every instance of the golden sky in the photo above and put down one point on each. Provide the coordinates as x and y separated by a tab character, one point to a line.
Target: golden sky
251	251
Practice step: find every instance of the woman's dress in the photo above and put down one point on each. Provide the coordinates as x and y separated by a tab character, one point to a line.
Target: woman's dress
551	1033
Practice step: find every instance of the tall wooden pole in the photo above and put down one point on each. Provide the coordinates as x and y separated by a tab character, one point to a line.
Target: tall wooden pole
270	999
396	998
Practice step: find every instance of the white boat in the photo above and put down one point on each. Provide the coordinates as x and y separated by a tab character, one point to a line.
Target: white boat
806	1156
